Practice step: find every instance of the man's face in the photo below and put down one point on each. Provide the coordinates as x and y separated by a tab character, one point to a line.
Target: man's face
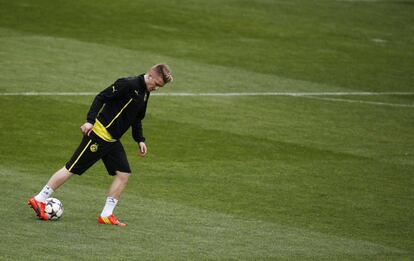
153	81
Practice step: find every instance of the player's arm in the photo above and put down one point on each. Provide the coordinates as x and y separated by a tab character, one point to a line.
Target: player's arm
137	134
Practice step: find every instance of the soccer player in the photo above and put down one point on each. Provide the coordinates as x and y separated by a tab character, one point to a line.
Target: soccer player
113	111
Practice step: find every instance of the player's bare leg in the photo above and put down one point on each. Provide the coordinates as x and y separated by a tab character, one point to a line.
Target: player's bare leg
59	178
118	184
117	187
38	202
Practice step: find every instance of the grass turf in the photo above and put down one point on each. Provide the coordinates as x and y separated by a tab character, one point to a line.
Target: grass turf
232	196
226	177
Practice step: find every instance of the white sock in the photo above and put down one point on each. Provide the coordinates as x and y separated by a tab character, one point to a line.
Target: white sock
109	206
44	194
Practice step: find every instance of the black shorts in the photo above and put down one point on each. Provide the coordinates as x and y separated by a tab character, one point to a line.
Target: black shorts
92	149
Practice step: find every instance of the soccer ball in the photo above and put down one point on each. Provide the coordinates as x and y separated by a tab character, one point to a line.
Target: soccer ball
53	208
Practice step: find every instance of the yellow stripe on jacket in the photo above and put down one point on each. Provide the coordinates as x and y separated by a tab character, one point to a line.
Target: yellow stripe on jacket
102	132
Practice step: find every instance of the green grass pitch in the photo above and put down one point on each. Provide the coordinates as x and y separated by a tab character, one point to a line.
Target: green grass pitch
227	177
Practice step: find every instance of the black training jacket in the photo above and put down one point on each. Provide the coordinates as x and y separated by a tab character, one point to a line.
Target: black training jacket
121	105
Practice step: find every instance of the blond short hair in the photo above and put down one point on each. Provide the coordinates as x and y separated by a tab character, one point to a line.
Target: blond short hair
164	71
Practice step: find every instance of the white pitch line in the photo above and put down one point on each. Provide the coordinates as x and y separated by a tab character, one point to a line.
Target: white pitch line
362	101
286	94
217	94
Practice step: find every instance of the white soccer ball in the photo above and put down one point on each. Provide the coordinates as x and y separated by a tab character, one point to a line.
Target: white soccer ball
53	208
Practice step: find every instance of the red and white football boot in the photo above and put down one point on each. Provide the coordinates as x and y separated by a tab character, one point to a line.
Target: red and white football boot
111	220
39	208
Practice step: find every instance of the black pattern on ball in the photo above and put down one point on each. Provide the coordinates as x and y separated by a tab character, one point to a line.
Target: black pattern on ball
53	208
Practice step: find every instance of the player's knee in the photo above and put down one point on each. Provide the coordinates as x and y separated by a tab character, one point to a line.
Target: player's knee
122	176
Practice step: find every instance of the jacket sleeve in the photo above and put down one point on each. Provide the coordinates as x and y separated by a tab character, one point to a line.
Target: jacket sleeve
137	132
118	89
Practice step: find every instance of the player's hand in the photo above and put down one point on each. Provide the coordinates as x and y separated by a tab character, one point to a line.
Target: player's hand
142	149
86	128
